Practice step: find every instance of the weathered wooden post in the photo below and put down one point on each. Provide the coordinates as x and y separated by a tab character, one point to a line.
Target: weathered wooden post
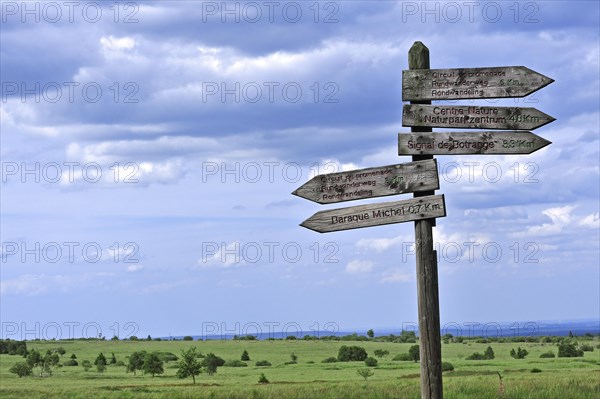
427	277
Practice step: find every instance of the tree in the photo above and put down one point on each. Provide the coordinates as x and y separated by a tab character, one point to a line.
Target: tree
245	356
370	333
22	369
61	351
519	353
136	361
293	357
414	354
34	359
86	364
153	364
352	353
211	362
189	365
381	352
100	363
263	379
489	353
371	362
365	373
568	349
73	356
113	358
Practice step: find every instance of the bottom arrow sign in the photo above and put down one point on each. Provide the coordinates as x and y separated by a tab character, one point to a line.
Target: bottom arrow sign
354	217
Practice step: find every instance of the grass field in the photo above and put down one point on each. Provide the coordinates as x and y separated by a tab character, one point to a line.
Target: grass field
560	378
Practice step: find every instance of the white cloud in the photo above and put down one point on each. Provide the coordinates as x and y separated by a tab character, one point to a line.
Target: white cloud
396	277
117	43
592	221
221	256
359	266
560	218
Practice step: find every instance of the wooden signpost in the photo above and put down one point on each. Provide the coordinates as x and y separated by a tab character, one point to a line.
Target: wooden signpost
371	182
462	143
474	117
377	214
467	83
420	85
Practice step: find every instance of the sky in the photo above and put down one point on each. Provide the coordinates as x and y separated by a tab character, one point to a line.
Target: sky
149	152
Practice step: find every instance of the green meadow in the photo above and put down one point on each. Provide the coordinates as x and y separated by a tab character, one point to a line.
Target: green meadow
309	378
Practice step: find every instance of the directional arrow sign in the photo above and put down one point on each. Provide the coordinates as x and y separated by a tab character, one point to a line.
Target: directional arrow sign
354	217
460	143
463	83
371	182
474	117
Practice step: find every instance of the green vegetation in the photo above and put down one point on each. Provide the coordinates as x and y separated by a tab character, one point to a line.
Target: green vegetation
365	373
310	377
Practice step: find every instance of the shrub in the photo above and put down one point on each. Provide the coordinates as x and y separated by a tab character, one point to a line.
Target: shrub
120	363
245	356
263	379
403	357
167	356
352	353
188	338
489	353
261	363
586	348
330	360
86	364
381	353
447	366
414	353
21	369
567	349
519	353
365	373
235	363
476	356
71	362
536	370
371	362
548	354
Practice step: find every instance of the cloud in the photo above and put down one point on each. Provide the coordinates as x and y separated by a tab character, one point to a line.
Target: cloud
591	221
396	277
560	217
359	266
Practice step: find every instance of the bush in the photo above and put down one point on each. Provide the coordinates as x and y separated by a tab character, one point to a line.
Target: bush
245	356
547	355
120	363
403	357
167	356
447	366
365	373
489	353
330	360
21	369
261	363
235	363
536	370
567	349
352	353
371	362
71	362
414	353
263	379
476	356
519	353
586	348
381	352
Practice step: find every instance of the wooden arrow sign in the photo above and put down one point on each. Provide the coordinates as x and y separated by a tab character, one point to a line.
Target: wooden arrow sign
355	217
474	117
461	143
464	83
371	182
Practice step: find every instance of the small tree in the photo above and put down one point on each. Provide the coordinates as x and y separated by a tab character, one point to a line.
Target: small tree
371	362
381	352
365	373
113	358
100	363
370	333
153	364
489	353
211	362
136	361
263	379
245	356
22	369
352	353
414	354
519	353
293	357
568	349
61	351
189	365
87	365
73	356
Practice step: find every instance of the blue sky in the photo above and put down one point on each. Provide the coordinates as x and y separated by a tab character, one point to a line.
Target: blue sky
149	151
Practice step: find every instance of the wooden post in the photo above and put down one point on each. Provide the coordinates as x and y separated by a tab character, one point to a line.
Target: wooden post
427	279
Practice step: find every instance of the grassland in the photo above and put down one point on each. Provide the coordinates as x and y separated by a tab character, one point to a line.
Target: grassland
560	378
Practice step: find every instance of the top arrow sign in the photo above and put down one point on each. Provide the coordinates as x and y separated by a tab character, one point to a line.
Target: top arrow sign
466	83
